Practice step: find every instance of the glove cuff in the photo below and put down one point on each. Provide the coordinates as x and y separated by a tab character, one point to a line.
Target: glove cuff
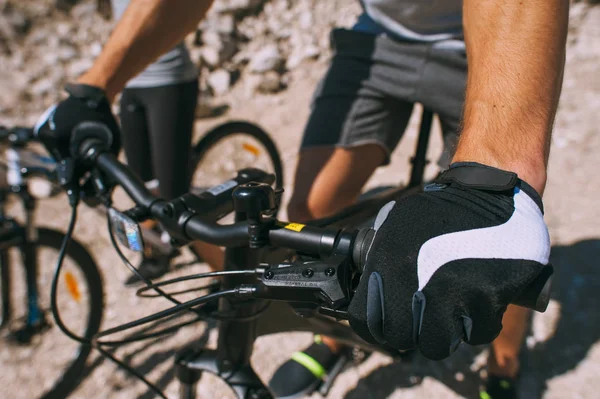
473	175
92	94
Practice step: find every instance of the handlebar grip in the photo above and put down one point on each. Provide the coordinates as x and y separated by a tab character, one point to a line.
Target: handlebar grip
537	295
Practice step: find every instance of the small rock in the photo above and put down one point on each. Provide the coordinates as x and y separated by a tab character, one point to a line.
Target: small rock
84	10
219	81
66	53
220	23
209	56
41	87
63	29
270	83
79	67
38	36
305	20
195	54
237	6
293	61
241	58
311	52
283	33
19	22
211	38
223	47
50	58
275	25
95	49
251	83
266	59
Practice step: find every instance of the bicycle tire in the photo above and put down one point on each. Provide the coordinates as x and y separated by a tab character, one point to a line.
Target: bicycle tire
71	376
4	290
221	132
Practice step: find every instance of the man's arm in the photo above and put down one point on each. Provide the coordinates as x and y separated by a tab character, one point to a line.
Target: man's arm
148	29
516	53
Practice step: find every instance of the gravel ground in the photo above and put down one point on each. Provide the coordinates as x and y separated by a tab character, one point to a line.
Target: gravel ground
562	359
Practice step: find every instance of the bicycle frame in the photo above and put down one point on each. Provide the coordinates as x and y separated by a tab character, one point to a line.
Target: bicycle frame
231	360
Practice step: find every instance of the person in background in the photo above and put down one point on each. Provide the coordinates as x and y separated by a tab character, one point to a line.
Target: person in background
398	53
157	113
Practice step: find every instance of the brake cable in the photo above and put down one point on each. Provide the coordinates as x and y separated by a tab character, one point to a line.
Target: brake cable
59	322
217	315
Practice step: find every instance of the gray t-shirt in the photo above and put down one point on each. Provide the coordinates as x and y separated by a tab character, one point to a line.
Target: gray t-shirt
172	67
438	21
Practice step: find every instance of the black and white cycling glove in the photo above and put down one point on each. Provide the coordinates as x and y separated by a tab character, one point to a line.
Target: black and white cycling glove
446	262
85	104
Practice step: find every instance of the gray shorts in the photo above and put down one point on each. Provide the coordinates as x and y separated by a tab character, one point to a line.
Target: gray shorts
368	93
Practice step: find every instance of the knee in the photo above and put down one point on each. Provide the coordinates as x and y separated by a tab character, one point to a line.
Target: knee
303	208
298	210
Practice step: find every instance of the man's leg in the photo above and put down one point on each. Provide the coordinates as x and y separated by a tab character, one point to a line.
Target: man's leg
172	123
329	179
353	127
504	357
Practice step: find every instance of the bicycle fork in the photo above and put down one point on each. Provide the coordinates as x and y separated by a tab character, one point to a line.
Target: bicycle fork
231	360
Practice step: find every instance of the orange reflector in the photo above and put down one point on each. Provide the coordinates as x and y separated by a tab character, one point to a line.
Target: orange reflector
250	148
72	286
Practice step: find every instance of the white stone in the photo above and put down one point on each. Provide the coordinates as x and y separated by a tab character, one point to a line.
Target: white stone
79	67
219	81
305	20
66	53
95	49
42	87
270	83
266	59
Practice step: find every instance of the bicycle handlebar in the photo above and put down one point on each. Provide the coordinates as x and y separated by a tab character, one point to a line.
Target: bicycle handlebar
181	220
179	217
352	245
16	136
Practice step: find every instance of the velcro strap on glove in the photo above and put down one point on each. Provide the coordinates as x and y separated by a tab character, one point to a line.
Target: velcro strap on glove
93	95
473	175
480	177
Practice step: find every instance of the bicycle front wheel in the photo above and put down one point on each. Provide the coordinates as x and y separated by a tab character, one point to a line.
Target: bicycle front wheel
230	147
39	358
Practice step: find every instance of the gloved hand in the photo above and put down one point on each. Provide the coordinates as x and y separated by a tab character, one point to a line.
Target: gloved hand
445	263
85	104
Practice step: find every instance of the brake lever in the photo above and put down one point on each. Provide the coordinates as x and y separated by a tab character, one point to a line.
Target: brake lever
338	314
325	283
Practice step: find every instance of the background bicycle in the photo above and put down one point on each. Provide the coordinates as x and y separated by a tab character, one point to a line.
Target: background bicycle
217	156
28	255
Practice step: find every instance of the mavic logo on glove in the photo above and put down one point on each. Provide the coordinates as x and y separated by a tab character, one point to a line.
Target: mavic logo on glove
523	236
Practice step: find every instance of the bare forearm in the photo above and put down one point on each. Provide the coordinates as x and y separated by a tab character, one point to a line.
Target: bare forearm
148	29
516	52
